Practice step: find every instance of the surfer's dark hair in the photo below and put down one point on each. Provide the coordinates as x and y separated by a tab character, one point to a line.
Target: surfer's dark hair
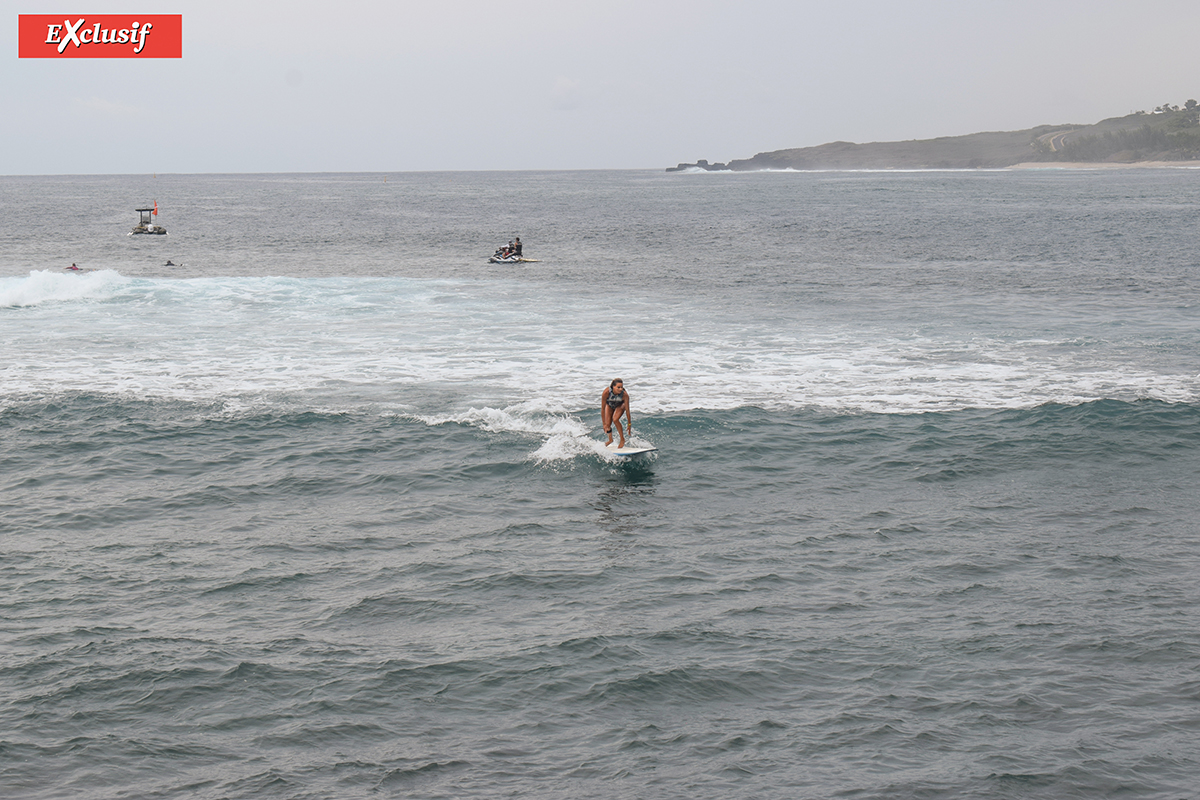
615	381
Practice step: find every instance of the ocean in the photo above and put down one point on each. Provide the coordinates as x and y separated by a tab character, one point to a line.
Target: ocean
324	512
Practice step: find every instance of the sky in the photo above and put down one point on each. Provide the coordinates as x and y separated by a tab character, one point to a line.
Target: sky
396	85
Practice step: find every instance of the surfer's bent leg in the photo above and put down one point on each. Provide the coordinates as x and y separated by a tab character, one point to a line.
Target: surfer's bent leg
616	421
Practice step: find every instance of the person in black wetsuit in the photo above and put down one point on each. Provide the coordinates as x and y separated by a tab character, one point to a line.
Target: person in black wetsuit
516	248
614	402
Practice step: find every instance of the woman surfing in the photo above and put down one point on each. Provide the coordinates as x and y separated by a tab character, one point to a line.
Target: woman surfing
614	402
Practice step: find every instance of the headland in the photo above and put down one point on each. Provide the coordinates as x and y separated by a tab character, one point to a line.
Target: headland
1167	136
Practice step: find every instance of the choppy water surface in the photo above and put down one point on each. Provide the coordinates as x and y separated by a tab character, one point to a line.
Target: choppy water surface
324	513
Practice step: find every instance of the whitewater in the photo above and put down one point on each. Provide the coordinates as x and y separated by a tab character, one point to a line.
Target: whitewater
325	513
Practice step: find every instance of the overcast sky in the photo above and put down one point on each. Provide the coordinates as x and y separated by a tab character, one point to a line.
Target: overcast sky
395	85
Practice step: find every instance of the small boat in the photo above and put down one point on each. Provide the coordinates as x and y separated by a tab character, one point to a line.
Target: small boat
145	225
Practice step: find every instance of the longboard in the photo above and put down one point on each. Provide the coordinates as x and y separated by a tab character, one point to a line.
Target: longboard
629	452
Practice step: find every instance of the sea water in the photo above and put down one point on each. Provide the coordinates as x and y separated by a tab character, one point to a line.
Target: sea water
324	511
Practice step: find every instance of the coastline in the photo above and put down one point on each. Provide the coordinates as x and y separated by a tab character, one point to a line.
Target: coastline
1167	139
1107	165
1023	166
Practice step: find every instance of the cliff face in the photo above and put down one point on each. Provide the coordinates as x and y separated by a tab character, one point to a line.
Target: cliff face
978	150
1169	134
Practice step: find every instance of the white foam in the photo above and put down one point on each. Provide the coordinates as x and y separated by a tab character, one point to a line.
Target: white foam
563	446
45	286
515	358
510	420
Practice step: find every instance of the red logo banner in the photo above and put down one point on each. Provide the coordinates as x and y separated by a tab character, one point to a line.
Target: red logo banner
100	36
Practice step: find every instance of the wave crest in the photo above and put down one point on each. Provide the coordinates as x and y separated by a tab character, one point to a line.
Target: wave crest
45	286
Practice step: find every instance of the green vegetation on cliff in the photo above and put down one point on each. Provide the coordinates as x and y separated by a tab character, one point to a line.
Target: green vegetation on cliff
1169	133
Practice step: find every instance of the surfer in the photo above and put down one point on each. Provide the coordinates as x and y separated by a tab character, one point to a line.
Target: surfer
614	402
74	267
516	248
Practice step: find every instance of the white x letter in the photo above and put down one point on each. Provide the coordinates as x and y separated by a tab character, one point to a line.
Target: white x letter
71	35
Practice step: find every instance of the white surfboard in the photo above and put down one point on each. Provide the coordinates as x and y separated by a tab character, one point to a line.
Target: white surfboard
627	451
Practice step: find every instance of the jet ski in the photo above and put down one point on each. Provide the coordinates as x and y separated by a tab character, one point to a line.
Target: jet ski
506	256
